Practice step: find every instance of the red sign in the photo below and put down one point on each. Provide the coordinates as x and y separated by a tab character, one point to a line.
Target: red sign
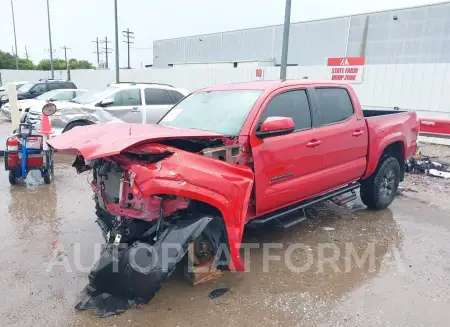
259	73
346	69
349	61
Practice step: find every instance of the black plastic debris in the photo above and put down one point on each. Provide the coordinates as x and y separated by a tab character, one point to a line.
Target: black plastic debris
218	292
123	278
426	166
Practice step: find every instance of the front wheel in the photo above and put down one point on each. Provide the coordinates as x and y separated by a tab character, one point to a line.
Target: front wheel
379	190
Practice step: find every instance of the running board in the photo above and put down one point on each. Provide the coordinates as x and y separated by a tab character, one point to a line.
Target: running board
278	215
343	199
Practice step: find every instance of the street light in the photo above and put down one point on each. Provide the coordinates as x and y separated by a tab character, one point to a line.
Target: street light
15	38
50	41
284	53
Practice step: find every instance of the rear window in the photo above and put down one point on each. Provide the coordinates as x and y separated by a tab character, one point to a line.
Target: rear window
334	105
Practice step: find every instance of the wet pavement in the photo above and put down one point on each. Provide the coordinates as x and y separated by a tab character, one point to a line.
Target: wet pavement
48	240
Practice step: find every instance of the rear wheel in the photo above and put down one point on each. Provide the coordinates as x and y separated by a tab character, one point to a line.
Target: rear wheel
379	190
12	177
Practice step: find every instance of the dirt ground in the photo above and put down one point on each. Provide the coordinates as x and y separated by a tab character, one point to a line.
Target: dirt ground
407	284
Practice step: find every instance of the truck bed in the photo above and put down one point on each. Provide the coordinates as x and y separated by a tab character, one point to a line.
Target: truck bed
380	112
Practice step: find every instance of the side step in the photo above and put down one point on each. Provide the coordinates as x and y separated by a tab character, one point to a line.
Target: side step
291	220
280	218
343	199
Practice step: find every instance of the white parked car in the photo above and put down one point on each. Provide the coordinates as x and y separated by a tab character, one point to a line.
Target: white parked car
55	96
123	102
4	91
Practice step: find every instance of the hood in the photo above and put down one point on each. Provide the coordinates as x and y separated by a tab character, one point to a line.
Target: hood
23	104
102	140
37	106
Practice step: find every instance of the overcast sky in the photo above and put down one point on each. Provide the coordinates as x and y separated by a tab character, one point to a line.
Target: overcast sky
76	23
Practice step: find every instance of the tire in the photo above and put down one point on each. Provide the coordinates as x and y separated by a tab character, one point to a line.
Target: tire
74	124
47	176
379	190
12	177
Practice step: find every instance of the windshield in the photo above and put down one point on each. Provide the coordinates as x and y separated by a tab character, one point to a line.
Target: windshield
25	88
223	112
47	95
95	95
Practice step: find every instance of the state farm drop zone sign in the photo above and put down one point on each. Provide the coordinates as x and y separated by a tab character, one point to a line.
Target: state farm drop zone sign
347	69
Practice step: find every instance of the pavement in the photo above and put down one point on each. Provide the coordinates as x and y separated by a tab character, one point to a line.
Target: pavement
48	241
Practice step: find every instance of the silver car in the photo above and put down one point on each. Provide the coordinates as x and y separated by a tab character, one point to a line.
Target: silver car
123	102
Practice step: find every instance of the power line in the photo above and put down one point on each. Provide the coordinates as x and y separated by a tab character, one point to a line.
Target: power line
97	52
129	36
65	48
106	50
136	48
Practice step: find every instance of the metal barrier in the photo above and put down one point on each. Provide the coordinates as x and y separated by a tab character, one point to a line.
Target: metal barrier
434	127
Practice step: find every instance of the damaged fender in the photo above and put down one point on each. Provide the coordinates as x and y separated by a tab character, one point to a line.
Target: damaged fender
224	186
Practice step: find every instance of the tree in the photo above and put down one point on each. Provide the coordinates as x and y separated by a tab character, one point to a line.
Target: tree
7	60
60	64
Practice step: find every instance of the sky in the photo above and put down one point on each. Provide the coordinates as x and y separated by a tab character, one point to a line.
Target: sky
76	23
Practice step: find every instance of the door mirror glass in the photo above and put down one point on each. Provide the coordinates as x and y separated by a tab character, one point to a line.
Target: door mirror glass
274	126
106	102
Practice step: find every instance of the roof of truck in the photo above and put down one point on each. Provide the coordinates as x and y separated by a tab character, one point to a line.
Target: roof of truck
264	85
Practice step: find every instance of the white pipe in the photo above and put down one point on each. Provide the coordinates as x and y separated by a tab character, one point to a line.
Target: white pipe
14	107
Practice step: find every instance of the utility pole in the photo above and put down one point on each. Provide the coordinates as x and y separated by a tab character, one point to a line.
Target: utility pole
97	52
50	41
116	34
106	50
15	38
65	48
26	53
285	49
128	35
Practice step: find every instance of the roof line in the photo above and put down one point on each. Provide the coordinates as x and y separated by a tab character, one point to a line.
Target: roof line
309	21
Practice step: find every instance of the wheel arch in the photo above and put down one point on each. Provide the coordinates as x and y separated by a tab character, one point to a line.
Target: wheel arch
78	122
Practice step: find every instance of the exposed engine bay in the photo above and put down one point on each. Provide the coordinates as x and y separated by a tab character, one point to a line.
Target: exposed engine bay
139	223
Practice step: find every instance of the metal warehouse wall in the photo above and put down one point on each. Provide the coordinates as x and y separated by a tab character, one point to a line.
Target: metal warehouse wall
419	35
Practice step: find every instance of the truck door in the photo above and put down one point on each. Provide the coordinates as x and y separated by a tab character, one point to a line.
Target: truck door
342	132
286	166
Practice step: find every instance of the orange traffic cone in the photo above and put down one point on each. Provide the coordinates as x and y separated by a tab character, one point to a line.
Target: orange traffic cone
46	128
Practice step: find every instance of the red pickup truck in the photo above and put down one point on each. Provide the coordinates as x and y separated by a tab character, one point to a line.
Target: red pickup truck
225	157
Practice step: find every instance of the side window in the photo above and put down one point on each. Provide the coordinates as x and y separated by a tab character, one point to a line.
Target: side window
334	105
177	96
64	96
129	97
293	104
39	88
157	97
54	86
78	93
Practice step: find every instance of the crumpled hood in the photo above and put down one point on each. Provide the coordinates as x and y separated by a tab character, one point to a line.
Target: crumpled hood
102	140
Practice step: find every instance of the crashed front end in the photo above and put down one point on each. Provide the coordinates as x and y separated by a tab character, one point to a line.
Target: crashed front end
155	202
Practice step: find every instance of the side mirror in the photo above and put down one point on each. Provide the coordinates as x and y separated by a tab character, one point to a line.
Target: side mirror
274	126
105	102
32	91
49	109
51	100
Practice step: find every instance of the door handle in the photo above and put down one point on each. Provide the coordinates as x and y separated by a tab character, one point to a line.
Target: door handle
135	109
313	144
358	133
